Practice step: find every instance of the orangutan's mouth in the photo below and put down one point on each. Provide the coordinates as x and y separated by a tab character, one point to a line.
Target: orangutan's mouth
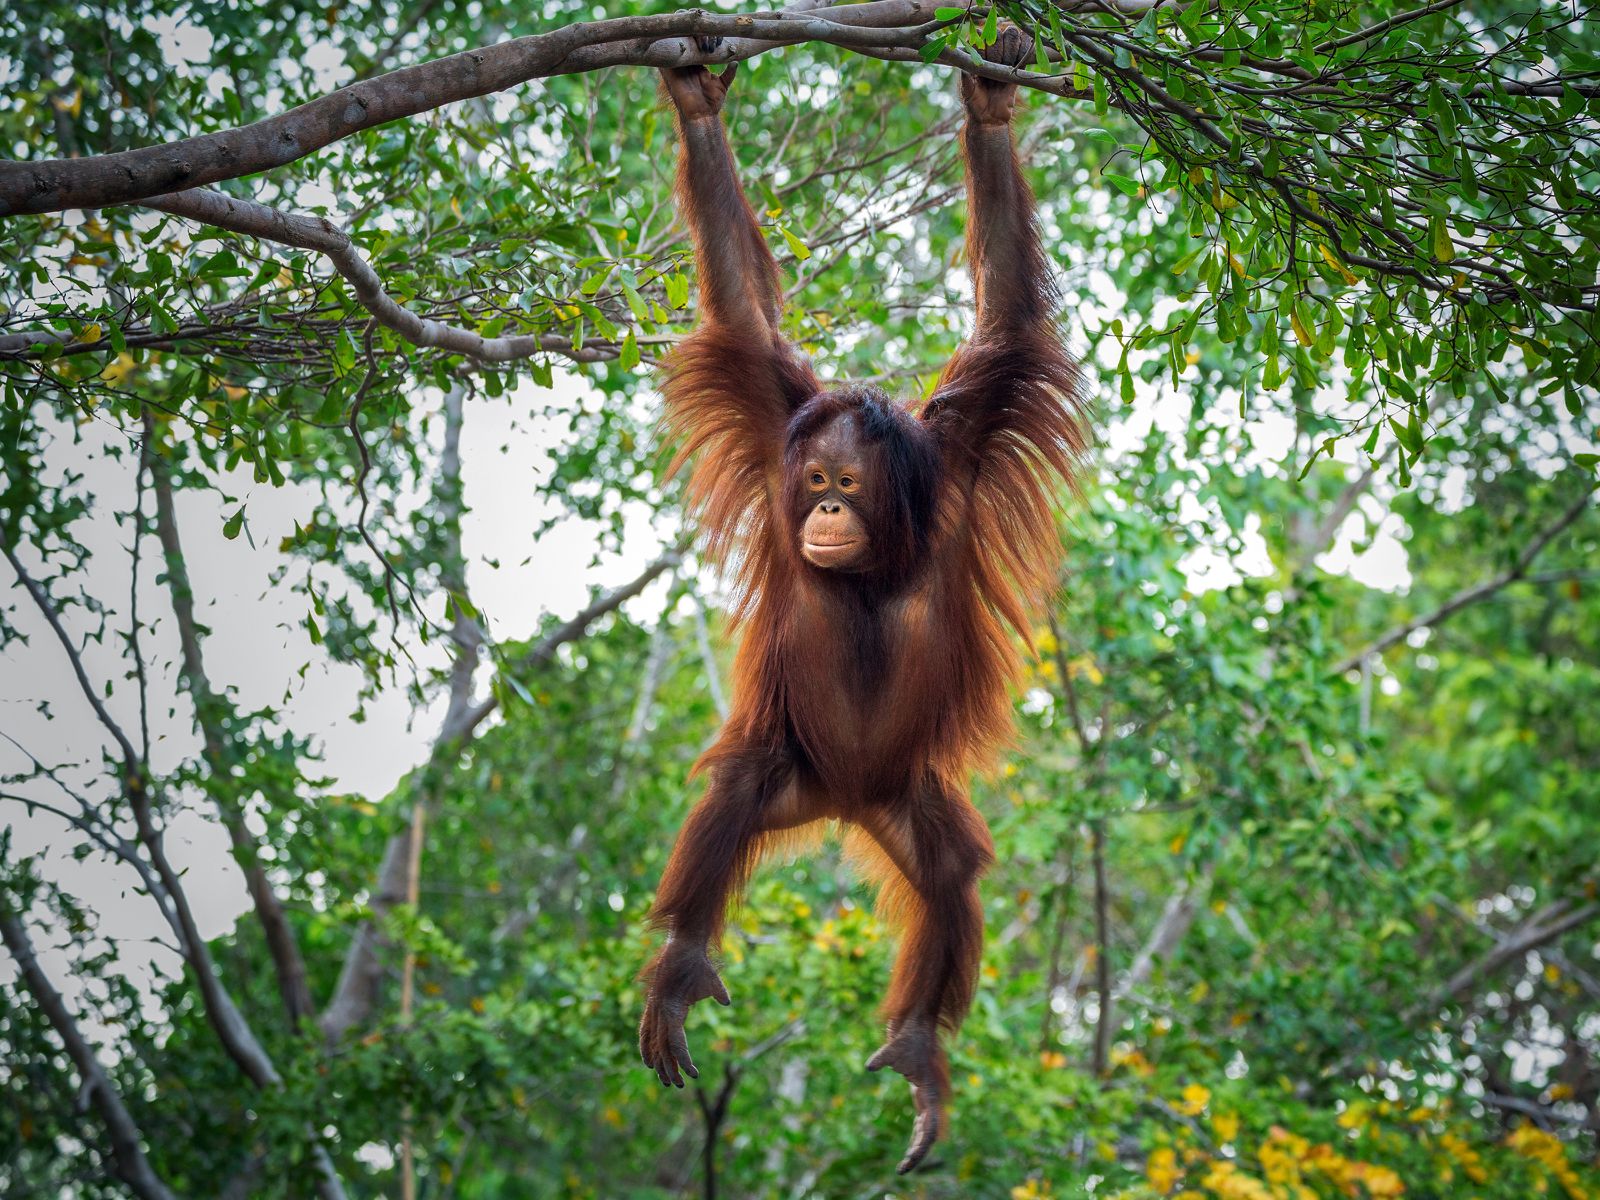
826	554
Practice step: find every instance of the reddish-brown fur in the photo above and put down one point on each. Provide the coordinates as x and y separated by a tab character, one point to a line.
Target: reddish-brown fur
868	697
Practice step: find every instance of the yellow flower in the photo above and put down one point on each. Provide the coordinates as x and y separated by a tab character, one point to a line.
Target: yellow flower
1225	1180
1380	1181
1354	1117
1226	1126
1162	1169
1195	1098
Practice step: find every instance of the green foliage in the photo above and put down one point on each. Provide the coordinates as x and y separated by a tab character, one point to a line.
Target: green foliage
1338	297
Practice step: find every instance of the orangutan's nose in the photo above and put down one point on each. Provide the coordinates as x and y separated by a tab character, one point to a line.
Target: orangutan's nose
830	506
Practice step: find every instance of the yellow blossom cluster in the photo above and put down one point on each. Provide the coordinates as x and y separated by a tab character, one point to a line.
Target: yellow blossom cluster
1194	1100
1228	1182
1546	1149
1134	1060
1162	1169
1289	1160
1461	1154
1033	1189
846	932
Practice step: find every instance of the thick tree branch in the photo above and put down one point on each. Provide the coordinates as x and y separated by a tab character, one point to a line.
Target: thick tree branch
887	28
132	175
127	1149
1471	595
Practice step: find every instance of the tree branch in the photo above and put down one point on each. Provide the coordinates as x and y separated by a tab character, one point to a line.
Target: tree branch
1472	595
41	600
324	237
127	1150
287	962
222	1014
1103	1028
886	28
1556	919
542	651
356	993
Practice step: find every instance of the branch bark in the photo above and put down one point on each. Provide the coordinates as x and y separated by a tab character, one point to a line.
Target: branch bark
1177	916
127	1149
894	29
1103	1028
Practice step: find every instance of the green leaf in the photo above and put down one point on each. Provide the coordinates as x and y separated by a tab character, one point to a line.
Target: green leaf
796	246
1443	114
1125	185
232	526
1408	435
636	304
344	351
1443	248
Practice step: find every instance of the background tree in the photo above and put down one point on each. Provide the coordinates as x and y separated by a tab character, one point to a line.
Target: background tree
1297	890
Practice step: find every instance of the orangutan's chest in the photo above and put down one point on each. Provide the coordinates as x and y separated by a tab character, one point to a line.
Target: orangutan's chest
873	681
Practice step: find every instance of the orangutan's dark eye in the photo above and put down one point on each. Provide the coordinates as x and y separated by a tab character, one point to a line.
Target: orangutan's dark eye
846	482
817	479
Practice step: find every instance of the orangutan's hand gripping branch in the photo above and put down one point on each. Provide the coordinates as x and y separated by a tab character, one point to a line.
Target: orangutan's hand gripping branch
884	557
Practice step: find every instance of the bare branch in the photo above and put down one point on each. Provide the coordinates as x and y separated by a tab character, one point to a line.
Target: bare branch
1556	919
227	1022
324	237
208	711
708	659
542	651
1103	1029
130	757
1177	916
127	1150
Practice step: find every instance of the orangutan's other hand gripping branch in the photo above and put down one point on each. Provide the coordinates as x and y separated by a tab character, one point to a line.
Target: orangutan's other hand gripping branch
884	557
